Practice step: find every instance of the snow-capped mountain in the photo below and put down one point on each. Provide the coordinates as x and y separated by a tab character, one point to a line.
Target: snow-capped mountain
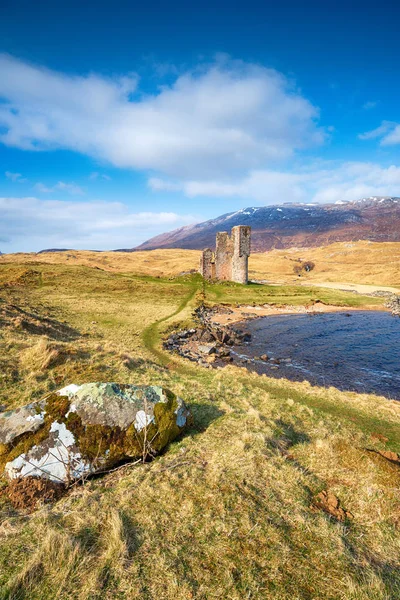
376	218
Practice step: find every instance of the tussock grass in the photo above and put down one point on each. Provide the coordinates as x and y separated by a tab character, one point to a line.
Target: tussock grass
47	355
226	512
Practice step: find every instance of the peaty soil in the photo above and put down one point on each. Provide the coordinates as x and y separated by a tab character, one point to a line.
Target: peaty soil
29	492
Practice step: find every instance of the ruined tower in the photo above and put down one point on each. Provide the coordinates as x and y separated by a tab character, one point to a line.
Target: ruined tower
241	236
207	264
230	261
223	256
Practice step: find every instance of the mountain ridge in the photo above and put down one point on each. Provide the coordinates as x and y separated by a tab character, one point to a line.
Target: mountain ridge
376	218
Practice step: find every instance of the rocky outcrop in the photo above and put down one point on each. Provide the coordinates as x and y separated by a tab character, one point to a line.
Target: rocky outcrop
208	343
82	430
393	304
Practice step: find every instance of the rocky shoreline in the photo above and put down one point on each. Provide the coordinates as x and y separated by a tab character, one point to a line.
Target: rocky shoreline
209	343
220	328
393	304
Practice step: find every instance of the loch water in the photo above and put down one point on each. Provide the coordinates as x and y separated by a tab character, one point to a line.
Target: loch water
356	351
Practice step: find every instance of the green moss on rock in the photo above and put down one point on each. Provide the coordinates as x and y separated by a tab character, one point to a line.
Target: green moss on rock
57	406
93	427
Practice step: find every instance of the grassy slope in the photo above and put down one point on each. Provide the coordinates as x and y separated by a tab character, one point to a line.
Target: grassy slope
224	513
156	263
358	262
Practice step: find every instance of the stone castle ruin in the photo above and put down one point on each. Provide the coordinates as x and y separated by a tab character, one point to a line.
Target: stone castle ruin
231	257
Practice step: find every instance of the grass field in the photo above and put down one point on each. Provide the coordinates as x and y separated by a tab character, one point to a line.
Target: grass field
343	262
227	511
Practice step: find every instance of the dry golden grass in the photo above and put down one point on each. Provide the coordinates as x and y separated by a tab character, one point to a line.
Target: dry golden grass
157	263
362	262
226	512
376	264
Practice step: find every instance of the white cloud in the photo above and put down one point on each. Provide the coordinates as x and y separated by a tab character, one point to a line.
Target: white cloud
31	224
392	138
227	117
356	180
61	186
15	177
324	182
388	132
265	187
157	184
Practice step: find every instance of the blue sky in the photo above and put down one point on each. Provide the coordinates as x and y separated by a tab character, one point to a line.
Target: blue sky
120	120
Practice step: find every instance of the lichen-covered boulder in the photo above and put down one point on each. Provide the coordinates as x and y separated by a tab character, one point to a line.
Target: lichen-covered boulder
81	430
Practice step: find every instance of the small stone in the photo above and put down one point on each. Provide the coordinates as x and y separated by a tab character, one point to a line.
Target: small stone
227	358
222	352
329	503
206	348
206	337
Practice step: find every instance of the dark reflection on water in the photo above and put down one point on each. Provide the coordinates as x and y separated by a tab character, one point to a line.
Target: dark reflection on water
357	351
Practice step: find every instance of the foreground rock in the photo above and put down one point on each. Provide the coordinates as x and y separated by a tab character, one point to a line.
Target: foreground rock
82	430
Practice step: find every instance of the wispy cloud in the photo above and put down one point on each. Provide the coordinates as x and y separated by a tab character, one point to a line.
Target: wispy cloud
16	177
323	182
225	117
388	132
31	224
96	175
369	105
61	186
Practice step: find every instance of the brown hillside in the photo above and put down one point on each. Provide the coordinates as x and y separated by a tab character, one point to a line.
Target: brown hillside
361	262
295	225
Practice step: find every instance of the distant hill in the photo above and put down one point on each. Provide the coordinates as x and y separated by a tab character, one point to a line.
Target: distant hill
295	225
54	250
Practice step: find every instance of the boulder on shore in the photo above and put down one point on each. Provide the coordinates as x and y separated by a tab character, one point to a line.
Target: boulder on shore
394	304
85	429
